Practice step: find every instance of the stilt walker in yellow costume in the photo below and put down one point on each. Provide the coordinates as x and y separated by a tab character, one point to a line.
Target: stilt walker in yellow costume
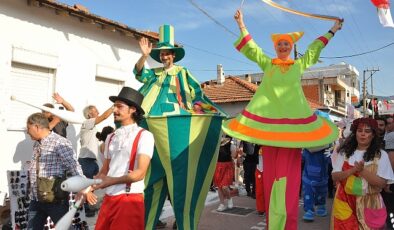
186	139
279	118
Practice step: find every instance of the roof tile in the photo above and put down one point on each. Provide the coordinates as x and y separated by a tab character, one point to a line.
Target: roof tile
232	90
235	89
83	13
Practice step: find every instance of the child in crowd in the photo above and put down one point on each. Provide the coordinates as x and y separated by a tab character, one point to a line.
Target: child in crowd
314	181
224	173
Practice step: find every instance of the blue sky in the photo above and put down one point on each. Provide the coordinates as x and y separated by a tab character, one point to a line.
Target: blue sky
207	44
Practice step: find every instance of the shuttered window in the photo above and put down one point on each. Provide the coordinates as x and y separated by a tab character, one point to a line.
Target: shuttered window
31	84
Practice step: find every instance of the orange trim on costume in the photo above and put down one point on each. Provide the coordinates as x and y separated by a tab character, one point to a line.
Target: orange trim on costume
324	131
277	61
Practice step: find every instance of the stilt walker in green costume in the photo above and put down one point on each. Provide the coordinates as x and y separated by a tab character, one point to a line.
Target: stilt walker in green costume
279	118
186	141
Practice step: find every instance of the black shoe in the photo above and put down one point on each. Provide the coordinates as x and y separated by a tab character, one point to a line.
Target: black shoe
174	226
160	224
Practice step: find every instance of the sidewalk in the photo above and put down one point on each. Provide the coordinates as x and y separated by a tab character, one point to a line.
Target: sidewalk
212	220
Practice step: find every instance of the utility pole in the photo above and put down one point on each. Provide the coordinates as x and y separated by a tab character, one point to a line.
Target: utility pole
373	99
372	72
295	52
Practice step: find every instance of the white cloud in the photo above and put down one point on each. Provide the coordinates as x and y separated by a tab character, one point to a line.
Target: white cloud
187	16
331	7
190	25
191	17
342	7
264	12
261	10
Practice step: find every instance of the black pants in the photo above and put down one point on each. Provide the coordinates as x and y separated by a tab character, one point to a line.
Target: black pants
388	199
249	179
90	168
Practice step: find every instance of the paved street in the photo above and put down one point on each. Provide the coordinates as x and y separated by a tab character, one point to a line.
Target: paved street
211	219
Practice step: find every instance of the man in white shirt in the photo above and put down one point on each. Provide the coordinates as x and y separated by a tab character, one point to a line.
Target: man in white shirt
123	205
88	154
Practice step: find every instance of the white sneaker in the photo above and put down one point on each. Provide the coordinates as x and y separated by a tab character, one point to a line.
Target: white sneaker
230	204
221	208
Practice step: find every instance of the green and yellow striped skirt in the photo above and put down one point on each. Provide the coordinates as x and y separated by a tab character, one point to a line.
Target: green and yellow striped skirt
182	166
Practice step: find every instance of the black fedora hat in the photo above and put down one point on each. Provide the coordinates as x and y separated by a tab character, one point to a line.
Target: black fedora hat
131	97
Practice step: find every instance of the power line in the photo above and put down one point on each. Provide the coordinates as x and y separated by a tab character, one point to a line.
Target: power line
350	29
232	33
359	54
219	55
225	28
350	44
212	18
258	22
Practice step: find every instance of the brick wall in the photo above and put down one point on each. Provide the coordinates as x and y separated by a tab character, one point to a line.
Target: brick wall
311	91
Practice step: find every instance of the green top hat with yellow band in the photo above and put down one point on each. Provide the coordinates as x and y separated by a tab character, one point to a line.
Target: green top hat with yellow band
166	42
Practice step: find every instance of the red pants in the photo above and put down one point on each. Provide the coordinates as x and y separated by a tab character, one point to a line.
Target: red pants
125	211
283	163
259	191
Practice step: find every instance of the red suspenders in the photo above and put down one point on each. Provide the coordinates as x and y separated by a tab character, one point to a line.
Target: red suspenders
133	155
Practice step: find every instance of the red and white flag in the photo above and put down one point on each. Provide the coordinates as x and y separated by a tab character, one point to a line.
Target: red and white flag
384	12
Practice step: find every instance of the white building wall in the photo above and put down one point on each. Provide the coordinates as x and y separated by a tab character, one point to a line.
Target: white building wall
233	109
76	51
346	72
